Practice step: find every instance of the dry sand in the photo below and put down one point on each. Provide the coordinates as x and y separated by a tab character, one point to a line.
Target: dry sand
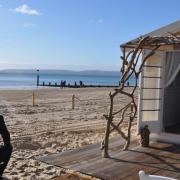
52	126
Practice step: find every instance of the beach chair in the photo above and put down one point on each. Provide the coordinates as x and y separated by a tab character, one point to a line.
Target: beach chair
3	177
143	176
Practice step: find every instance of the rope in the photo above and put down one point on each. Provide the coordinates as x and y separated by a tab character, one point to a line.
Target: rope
78	99
89	99
41	100
17	98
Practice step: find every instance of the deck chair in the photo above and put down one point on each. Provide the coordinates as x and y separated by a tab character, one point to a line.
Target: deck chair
143	176
3	178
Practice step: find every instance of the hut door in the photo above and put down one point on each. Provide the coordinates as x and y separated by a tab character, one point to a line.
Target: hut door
150	93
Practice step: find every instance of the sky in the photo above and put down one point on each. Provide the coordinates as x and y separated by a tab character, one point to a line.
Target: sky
76	34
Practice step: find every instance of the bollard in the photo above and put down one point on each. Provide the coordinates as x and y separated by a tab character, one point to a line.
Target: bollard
73	102
33	99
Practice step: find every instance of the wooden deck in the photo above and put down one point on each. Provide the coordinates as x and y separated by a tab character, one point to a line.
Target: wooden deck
160	158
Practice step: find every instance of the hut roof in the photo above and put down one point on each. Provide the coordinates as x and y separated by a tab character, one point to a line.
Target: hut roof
167	44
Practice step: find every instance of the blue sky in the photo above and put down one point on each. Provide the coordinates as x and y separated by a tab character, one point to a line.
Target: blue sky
76	34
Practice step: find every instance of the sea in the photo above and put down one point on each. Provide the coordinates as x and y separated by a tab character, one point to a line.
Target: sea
17	79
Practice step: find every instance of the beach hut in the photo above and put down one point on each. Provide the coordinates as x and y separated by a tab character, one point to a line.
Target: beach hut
159	95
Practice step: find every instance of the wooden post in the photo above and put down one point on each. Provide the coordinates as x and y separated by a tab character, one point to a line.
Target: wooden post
33	99
37	77
107	133
73	102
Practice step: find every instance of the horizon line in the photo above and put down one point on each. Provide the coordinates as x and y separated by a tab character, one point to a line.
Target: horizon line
58	69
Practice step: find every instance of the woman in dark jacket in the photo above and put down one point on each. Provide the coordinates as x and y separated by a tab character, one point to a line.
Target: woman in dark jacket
6	149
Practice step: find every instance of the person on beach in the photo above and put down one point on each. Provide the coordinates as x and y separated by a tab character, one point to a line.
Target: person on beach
75	84
6	149
81	83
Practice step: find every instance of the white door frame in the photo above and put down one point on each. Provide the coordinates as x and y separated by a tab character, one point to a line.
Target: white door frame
161	114
159	122
164	136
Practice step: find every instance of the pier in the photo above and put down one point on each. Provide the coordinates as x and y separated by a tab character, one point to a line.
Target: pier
64	84
74	86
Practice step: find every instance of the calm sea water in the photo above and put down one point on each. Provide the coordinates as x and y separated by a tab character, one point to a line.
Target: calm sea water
28	79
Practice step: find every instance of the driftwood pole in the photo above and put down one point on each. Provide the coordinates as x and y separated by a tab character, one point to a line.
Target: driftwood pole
109	121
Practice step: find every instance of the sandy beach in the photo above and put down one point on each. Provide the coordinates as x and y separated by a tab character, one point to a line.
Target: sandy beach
52	126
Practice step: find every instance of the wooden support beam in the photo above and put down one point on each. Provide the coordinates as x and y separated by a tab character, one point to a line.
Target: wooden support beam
149	99
150	88
154	77
150	66
150	109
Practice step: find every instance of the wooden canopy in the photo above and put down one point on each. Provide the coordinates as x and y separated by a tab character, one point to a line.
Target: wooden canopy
169	41
165	43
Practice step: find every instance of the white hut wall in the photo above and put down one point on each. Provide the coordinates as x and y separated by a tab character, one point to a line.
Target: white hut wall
150	92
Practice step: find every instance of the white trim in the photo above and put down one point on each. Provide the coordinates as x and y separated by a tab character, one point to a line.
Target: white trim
154	124
166	137
140	96
161	114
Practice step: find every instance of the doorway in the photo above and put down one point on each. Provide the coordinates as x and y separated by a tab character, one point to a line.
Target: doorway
171	110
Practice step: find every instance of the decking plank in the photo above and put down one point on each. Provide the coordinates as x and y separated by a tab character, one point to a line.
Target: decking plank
102	163
135	164
97	160
159	158
174	174
77	155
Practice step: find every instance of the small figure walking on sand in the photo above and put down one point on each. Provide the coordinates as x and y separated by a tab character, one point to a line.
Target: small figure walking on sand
6	149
